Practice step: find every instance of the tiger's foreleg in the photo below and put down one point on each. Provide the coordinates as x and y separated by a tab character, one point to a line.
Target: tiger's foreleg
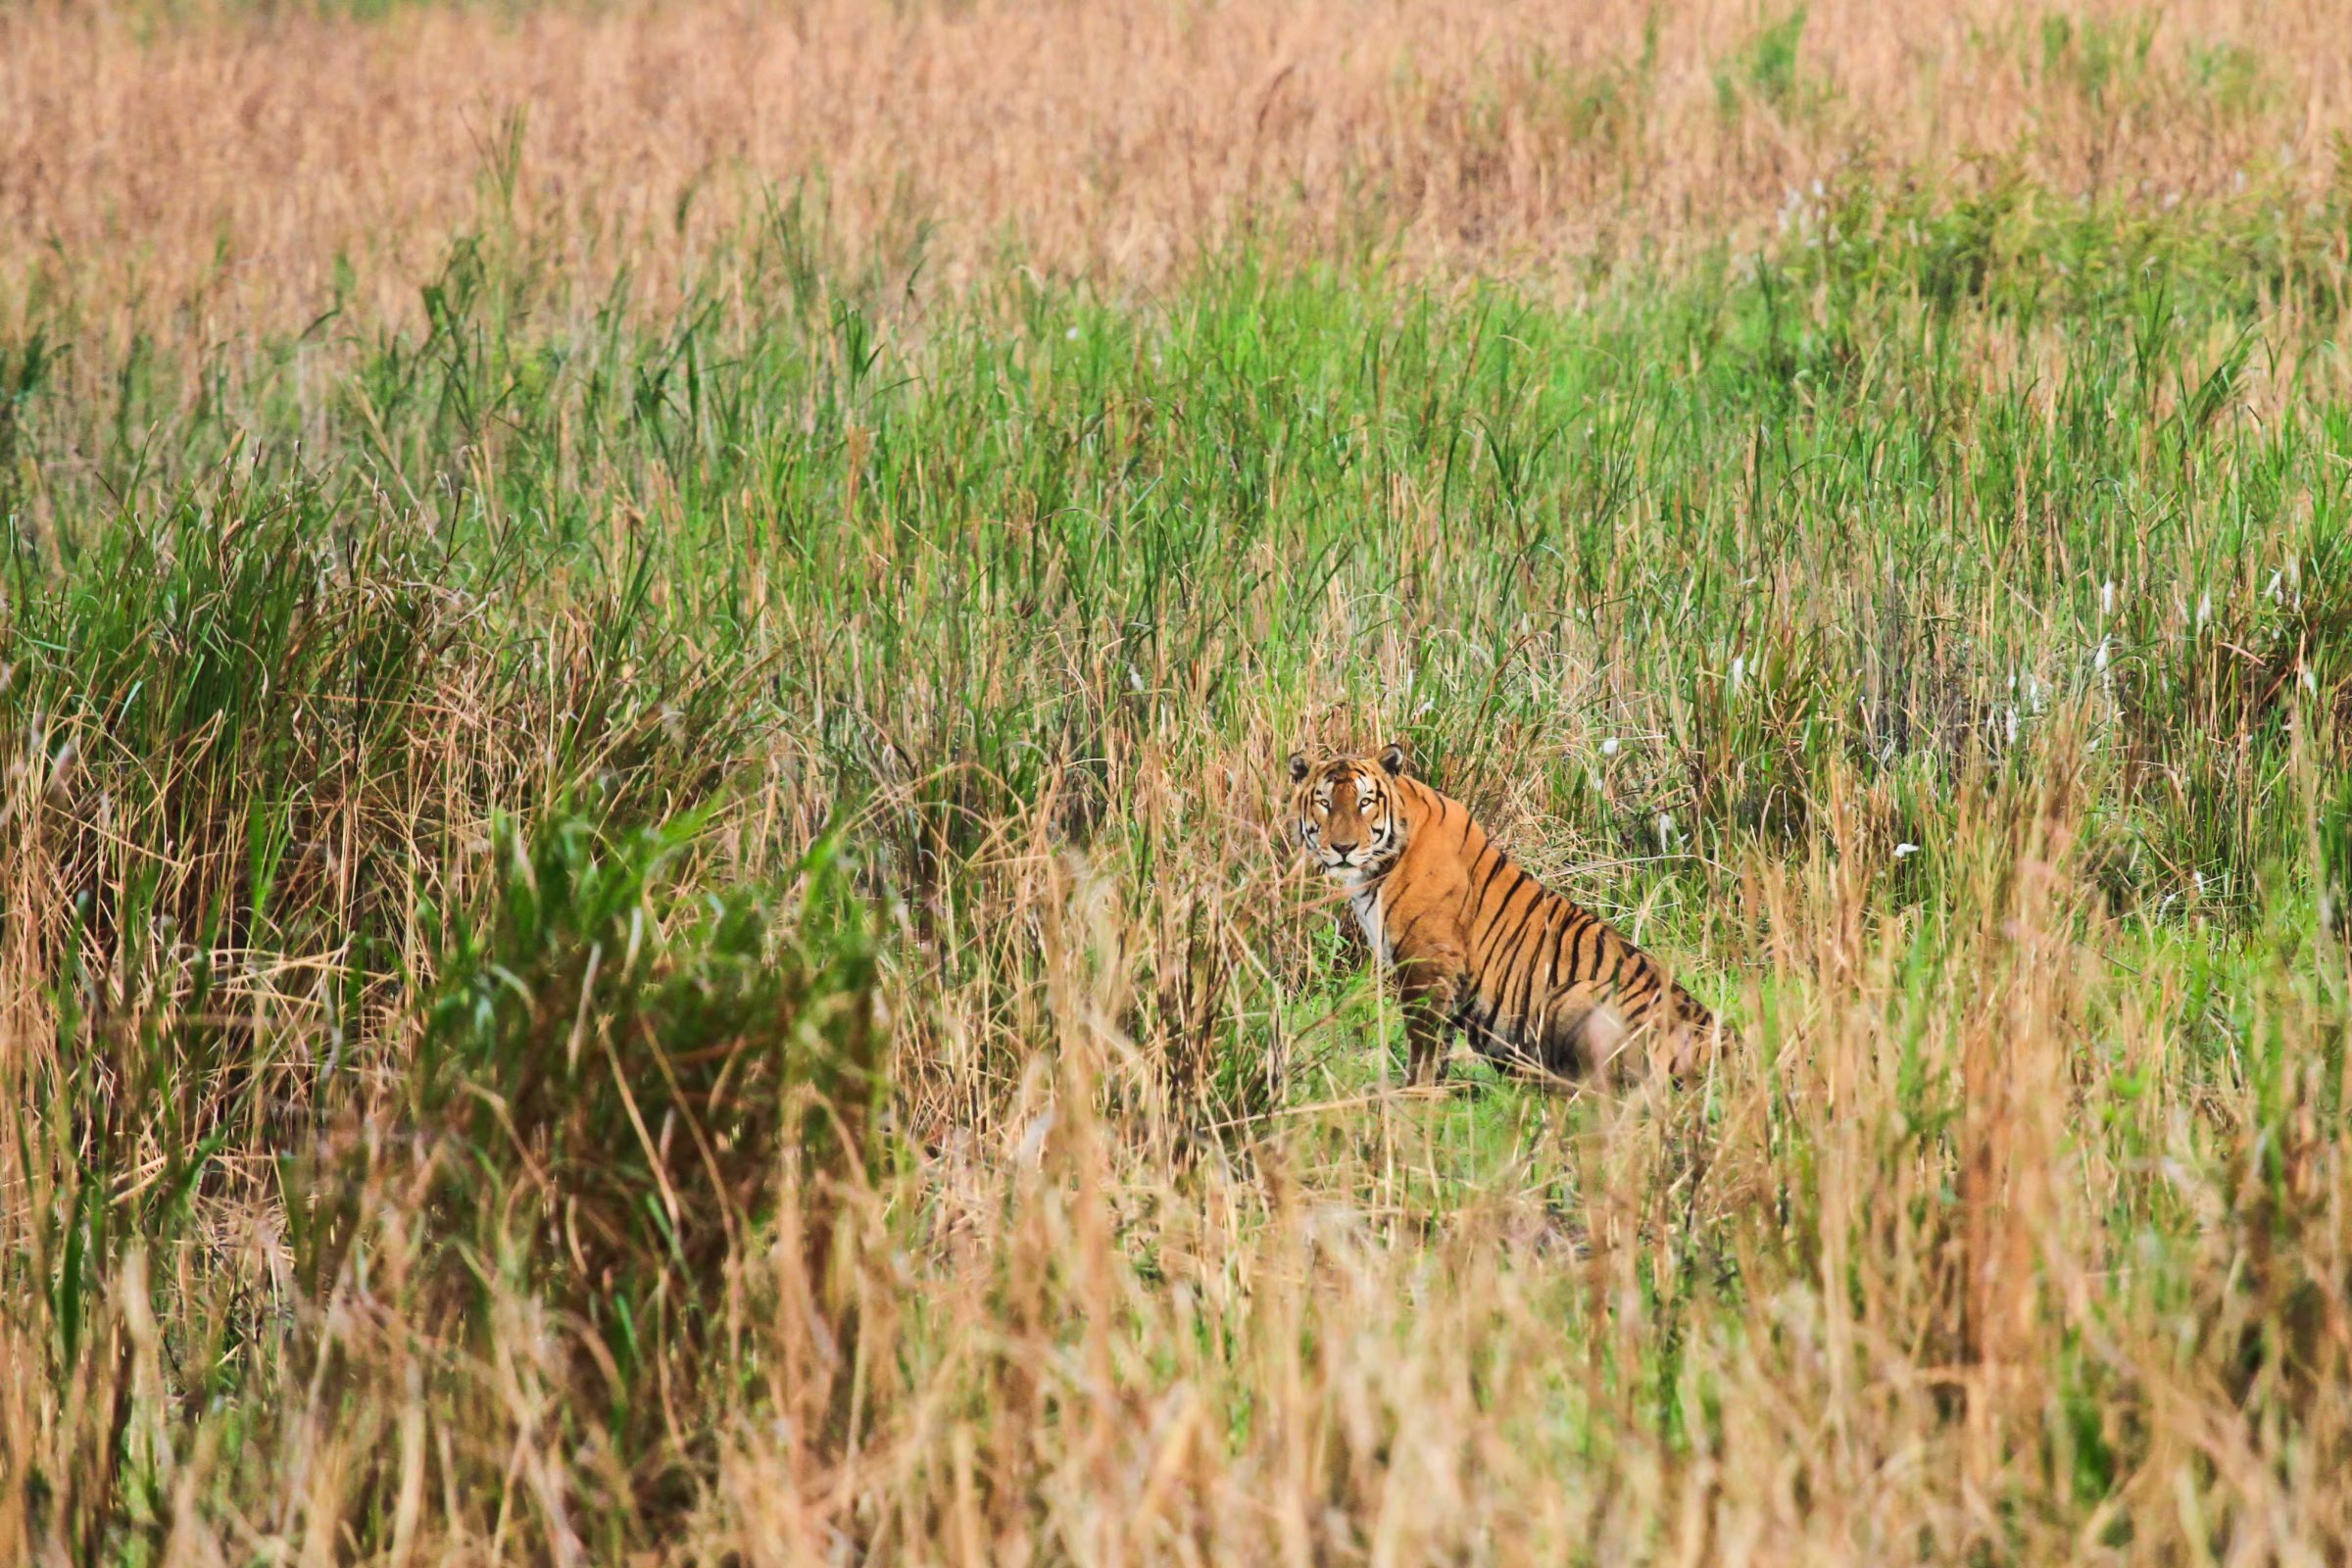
1432	991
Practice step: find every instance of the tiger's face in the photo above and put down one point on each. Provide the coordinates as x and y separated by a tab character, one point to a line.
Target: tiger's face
1347	818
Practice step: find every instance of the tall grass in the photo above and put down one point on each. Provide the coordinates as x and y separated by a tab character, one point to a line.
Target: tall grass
642	915
189	170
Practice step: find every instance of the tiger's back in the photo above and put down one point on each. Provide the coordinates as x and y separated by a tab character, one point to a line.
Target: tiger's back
1478	943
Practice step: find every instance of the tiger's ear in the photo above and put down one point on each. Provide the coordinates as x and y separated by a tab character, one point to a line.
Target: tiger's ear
1297	767
1391	757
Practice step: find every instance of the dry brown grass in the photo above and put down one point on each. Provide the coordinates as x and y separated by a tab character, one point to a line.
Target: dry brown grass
2017	1228
200	180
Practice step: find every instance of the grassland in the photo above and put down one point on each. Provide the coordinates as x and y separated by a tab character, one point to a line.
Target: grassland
643	665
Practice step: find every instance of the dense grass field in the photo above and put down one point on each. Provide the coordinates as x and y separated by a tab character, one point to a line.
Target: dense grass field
645	660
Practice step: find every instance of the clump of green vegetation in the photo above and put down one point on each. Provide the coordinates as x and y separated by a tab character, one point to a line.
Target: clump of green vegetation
2232	74
1770	69
2099	57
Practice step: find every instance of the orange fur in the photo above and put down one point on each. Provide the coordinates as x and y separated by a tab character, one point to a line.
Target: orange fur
1478	943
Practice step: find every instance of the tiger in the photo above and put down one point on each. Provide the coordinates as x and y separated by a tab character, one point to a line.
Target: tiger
1477	944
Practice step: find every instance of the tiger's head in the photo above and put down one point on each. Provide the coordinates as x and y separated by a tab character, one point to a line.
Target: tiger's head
1348	811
